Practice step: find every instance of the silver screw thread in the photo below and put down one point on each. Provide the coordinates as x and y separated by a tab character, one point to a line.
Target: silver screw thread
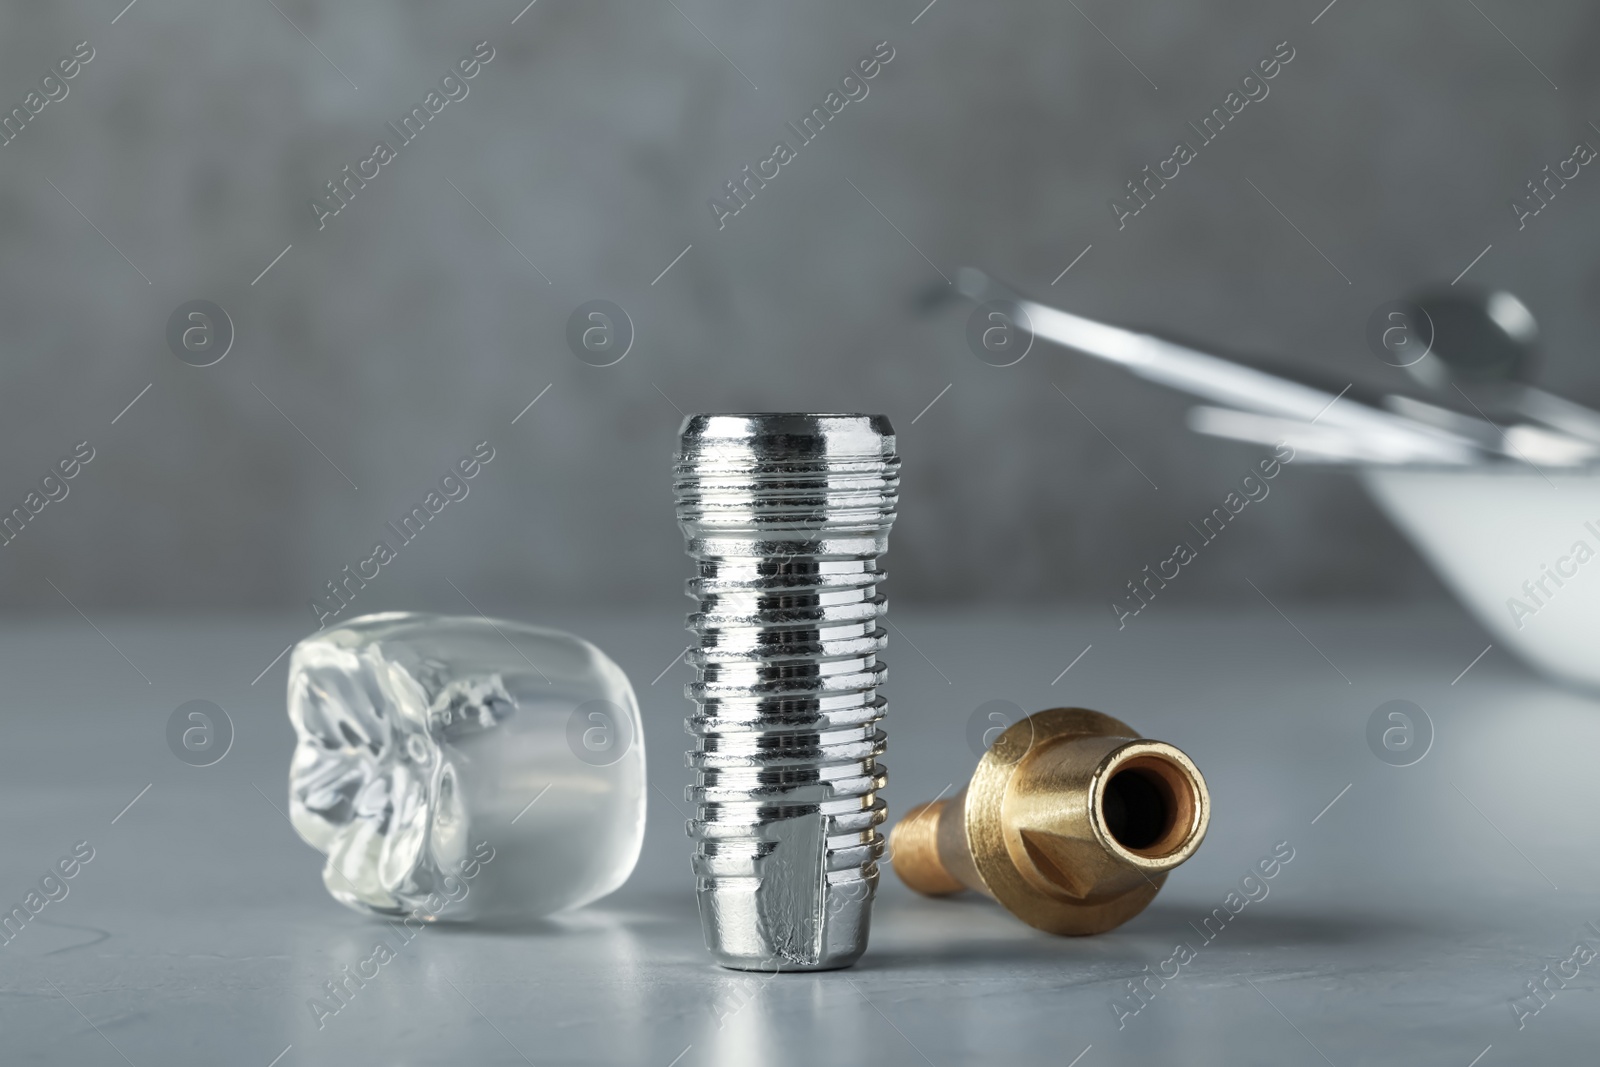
785	516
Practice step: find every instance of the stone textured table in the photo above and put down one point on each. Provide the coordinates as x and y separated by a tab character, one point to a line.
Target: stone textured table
1418	904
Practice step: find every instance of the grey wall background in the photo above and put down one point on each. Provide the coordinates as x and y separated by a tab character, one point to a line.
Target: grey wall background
409	328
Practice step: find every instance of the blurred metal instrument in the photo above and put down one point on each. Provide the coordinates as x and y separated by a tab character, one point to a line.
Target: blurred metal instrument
1267	406
1487	343
1490	478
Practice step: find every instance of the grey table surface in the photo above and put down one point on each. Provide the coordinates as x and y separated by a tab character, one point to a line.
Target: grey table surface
1419	902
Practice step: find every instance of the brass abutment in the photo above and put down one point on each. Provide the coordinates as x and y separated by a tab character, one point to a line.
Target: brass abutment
1071	822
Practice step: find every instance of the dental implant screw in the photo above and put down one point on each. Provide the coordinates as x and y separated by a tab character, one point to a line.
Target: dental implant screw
785	516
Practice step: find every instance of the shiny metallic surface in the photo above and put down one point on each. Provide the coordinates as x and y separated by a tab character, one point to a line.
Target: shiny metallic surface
785	516
1044	828
1483	341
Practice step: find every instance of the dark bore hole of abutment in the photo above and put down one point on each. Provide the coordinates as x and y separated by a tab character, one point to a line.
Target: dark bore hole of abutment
1136	809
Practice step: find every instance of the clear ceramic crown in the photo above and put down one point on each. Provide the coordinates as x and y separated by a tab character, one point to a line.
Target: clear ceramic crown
464	768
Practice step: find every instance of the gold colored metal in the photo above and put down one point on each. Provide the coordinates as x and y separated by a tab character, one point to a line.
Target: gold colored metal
1071	822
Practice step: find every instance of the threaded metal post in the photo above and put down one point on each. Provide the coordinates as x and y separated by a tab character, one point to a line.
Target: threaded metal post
786	516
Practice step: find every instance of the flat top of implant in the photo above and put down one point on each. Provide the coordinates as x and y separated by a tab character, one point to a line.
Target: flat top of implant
779	432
